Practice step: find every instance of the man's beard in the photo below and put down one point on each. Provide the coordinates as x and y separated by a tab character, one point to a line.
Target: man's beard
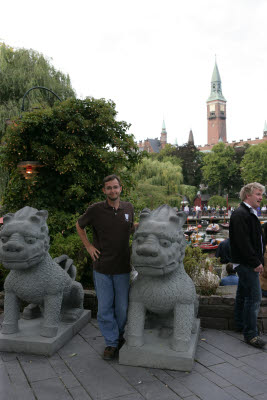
115	197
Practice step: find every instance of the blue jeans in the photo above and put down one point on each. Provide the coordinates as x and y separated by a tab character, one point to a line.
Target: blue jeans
112	294
248	301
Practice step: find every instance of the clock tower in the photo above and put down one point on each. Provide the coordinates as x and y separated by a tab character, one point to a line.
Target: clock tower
216	110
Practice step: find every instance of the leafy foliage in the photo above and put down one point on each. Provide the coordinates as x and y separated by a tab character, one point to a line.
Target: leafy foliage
158	182
78	142
22	69
160	173
4	176
220	168
215	201
200	269
189	191
254	164
190	158
167	154
147	195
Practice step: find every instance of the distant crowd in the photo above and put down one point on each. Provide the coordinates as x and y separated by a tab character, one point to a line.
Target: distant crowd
206	210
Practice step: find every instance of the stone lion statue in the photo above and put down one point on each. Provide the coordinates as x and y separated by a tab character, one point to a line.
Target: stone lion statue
162	287
48	285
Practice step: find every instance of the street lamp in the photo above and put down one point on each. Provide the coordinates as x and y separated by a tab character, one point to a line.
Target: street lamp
29	169
34	88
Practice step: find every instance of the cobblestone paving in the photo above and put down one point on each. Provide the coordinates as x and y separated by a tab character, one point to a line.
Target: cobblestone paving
225	369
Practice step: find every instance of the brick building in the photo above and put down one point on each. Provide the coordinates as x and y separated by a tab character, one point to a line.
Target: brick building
154	145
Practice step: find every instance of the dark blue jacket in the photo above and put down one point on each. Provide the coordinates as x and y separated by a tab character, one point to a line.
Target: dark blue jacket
229	280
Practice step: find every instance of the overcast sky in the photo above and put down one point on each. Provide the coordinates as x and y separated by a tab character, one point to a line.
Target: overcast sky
154	58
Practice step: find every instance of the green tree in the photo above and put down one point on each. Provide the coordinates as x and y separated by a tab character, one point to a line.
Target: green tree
159	182
254	164
215	201
190	158
160	173
189	191
78	142
22	69
167	154
220	168
3	182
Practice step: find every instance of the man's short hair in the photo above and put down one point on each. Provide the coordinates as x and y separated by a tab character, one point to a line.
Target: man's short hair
248	189
111	178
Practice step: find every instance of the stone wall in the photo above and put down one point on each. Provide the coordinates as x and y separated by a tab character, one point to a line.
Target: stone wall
215	312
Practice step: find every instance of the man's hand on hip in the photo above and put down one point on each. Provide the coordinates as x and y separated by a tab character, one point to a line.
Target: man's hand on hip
259	269
94	253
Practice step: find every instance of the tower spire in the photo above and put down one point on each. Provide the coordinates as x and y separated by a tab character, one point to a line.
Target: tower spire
216	85
163	127
191	137
163	136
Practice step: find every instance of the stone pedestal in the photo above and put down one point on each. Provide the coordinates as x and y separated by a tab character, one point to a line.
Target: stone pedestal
28	339
156	353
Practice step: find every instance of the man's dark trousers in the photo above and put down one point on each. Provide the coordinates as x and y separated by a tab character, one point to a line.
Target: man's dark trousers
248	300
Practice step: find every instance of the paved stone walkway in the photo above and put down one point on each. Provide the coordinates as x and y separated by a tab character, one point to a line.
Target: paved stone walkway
225	369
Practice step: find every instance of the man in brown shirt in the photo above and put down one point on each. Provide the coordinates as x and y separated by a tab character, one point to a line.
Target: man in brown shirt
112	223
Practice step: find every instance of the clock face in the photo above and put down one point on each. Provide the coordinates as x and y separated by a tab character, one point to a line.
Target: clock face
222	107
212	107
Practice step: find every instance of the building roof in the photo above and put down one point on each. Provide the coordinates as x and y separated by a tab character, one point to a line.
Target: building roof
155	144
235	143
205	197
191	137
216	85
215	75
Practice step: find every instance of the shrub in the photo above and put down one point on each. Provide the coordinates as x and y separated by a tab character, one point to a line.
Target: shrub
62	222
217	201
201	268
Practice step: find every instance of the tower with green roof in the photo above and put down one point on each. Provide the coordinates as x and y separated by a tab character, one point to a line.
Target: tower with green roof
216	110
163	136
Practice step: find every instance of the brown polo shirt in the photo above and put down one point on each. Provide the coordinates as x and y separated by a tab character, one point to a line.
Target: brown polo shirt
111	233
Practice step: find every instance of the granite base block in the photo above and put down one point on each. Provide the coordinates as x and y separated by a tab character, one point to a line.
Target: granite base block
156	353
28	339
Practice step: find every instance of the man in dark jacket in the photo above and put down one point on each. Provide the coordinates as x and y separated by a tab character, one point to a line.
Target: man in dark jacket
247	248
